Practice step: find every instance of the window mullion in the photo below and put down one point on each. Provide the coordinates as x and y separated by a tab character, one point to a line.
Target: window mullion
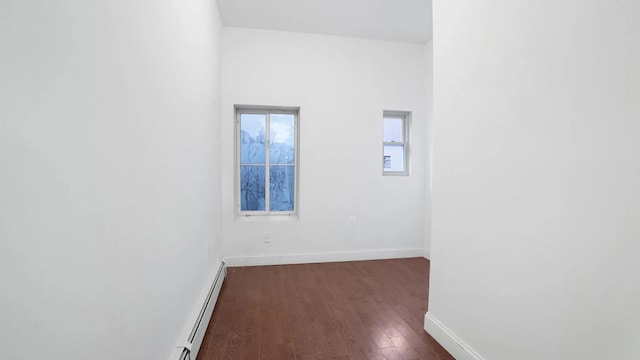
267	164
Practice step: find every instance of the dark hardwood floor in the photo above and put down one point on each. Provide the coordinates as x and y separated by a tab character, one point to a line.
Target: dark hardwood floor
347	310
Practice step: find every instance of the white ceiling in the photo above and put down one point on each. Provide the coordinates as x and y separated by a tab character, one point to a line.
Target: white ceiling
395	20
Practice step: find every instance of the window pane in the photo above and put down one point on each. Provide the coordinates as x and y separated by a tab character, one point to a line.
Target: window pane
252	194
252	139
392	129
282	135
281	188
393	159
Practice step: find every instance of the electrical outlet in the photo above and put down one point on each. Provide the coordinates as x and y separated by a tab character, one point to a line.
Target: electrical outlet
266	237
352	221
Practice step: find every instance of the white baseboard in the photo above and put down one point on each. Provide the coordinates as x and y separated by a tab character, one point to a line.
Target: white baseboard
322	257
427	254
196	325
450	341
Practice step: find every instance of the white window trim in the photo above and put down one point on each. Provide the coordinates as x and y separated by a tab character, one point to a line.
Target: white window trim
266	110
406	121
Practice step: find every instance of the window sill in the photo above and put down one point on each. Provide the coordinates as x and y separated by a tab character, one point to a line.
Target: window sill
266	217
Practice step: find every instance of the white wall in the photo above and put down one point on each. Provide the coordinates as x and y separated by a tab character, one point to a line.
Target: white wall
109	174
428	146
341	85
536	193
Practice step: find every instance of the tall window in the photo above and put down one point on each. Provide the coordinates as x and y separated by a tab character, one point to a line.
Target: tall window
395	146
267	159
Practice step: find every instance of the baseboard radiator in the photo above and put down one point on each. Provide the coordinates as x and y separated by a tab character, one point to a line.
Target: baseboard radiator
195	337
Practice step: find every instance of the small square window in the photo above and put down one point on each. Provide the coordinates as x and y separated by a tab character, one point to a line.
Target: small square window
395	142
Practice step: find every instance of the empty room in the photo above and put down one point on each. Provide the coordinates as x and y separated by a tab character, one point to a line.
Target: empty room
304	179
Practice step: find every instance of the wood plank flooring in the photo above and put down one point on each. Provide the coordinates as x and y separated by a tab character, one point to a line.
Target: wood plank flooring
348	310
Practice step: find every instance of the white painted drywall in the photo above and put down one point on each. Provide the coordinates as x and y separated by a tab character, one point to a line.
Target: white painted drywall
341	85
406	21
428	146
109	174
536	187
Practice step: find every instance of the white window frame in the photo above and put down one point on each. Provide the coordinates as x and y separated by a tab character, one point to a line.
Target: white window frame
406	121
267	111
